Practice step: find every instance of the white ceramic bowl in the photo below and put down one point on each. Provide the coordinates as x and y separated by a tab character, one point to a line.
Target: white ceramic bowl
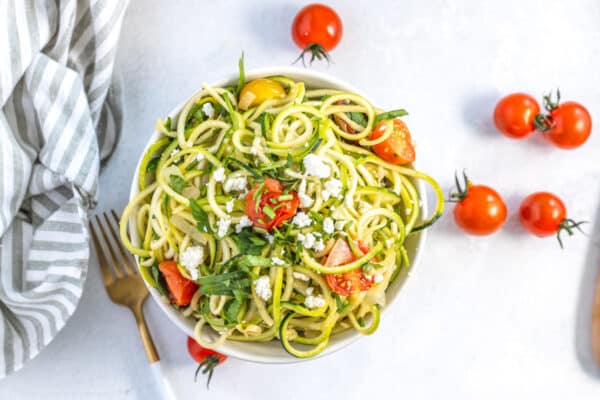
273	352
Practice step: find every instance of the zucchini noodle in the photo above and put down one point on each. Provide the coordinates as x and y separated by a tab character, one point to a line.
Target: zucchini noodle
262	269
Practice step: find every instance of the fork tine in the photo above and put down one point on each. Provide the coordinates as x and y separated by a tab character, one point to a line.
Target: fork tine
107	276
123	254
110	248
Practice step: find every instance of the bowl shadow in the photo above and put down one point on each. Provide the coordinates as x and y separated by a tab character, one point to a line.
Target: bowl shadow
478	110
583	325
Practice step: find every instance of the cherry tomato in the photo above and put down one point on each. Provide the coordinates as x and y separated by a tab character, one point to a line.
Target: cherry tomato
515	114
570	125
181	289
257	91
317	29
398	147
207	359
479	209
270	207
349	282
542	213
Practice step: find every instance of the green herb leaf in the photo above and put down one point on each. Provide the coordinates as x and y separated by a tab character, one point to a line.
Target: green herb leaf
178	183
390	115
200	216
232	309
358	117
249	243
152	164
159	279
269	212
168	123
225	284
242	78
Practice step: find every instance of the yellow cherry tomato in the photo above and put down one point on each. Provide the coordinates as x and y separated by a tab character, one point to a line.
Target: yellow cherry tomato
259	90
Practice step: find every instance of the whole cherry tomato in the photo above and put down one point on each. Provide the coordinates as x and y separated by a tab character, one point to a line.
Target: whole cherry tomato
317	29
207	359
515	114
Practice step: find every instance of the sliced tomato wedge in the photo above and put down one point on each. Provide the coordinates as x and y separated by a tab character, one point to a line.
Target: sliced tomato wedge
181	289
398	147
349	282
270	207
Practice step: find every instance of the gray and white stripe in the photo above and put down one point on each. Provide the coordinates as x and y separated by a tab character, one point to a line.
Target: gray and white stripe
60	115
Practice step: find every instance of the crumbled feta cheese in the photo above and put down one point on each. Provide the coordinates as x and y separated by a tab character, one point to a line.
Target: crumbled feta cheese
301	219
191	258
378	277
270	239
262	287
237	184
317	234
277	261
300	276
363	206
219	174
328	225
319	245
308	240
305	200
223	226
310	290
333	188
314	301
208	109
315	166
174	151
389	242
339	225
229	206
256	146
199	157
244	223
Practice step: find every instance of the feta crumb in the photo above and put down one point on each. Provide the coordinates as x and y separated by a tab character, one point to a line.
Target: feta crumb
229	206
199	157
302	220
314	301
363	206
305	200
319	245
237	184
300	276
244	223
310	290
223	226
191	258
339	225
328	225
256	146
174	151
277	261
308	241
208	109
378	277
333	188
219	174
389	242
270	239
262	287
315	166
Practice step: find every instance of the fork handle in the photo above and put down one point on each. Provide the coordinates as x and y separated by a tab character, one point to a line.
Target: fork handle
145	335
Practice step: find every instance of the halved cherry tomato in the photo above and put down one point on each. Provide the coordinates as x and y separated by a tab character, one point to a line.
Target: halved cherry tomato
348	282
514	115
181	289
479	209
398	147
273	207
207	359
259	90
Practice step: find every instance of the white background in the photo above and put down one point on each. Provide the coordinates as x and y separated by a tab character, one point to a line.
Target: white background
505	316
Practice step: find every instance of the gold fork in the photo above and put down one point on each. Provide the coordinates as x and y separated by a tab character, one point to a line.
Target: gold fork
125	286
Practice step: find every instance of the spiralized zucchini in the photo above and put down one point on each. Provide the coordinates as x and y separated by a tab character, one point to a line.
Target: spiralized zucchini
257	284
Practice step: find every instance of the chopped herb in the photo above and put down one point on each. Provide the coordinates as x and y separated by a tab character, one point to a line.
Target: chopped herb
341	306
285	197
225	284
168	124
255	173
361	322
390	115
178	183
166	200
316	216
159	279
152	164
192	165
269	212
233	307
265	123
358	117
248	243
200	216
242	78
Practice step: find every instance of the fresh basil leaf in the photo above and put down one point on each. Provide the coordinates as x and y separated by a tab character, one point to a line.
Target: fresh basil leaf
152	164
177	183
200	216
358	117
159	279
249	243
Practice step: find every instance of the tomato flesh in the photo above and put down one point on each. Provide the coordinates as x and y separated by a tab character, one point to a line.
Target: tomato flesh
181	289
514	115
283	210
349	282
398	147
481	212
317	24
571	125
542	213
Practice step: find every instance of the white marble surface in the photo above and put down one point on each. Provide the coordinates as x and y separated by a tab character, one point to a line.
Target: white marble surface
500	317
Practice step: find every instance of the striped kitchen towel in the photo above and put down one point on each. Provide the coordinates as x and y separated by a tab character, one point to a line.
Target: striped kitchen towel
59	116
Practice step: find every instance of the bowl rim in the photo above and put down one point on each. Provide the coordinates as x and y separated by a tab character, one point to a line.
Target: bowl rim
175	316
